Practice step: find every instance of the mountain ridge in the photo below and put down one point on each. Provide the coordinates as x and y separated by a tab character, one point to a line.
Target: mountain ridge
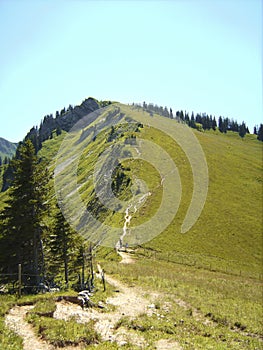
7	148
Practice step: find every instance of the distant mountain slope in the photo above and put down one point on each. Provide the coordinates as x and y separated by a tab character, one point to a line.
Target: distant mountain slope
7	148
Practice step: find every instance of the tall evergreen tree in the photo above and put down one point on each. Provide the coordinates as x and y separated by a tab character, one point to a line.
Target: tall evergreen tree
260	133
223	124
62	245
21	219
214	124
242	130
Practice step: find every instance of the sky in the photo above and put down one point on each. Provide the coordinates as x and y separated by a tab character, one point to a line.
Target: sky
201	56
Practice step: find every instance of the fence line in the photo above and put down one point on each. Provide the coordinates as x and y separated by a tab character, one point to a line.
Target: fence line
202	262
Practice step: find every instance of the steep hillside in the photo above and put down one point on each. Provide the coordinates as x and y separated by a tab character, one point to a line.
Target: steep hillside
7	148
227	234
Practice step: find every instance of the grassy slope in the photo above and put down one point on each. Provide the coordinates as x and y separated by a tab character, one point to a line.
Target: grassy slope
226	236
230	225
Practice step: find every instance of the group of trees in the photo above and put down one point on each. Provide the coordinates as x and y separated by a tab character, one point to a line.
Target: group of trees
202	121
33	231
151	108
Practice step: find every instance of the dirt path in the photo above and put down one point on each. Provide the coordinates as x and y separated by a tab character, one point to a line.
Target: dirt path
128	301
126	258
15	320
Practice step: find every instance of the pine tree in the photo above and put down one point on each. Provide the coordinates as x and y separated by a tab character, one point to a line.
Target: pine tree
21	219
214	125
62	245
242	130
260	133
223	124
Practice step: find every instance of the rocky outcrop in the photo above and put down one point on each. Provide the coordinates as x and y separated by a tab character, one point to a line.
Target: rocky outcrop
71	116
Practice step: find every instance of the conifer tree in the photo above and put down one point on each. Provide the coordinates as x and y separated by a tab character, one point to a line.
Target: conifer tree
21	219
63	245
242	130
260	133
214	124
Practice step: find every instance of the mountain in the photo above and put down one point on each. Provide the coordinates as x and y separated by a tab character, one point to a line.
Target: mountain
7	148
186	203
222	226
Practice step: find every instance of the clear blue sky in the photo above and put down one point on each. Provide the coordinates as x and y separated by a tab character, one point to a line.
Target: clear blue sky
201	56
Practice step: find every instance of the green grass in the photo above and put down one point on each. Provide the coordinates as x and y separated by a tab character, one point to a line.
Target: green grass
232	304
228	232
61	333
227	235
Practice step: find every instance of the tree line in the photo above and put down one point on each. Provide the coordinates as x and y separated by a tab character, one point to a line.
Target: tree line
33	231
202	121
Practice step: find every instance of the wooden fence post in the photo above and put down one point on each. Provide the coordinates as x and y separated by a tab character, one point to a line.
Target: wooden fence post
19	280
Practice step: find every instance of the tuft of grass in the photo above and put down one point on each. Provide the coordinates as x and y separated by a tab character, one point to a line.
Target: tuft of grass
62	333
44	307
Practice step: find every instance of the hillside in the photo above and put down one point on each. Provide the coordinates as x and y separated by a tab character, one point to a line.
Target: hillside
185	204
227	234
7	148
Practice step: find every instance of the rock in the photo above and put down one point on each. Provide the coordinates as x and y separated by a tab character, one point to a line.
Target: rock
101	305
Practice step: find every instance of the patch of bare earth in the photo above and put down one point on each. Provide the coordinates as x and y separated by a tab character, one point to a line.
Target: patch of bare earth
126	258
15	320
128	301
166	344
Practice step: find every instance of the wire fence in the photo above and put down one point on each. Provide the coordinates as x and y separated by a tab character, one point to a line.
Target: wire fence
206	262
25	283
